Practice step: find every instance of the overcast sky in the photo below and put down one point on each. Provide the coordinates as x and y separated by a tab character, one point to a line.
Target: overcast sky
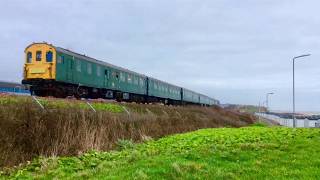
233	50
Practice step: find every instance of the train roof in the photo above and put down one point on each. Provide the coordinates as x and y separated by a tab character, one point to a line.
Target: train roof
90	59
71	53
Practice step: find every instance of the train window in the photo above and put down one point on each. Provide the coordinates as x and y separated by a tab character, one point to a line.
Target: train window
60	59
98	71
136	81
141	82
89	68
106	74
29	57
78	66
49	56
117	75
122	77
38	55
129	78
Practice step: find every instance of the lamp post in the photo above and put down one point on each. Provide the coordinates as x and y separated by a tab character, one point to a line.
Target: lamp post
267	100
293	91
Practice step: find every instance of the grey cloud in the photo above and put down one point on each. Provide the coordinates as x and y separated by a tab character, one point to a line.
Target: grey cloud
233	50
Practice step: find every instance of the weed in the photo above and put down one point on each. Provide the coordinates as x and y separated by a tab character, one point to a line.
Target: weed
123	144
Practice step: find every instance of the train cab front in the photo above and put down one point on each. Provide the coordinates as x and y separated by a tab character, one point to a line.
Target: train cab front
40	67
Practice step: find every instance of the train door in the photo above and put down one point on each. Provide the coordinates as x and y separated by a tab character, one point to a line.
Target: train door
69	72
115	80
106	78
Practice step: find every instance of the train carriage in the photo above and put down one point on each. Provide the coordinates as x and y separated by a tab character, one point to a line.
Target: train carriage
55	71
60	72
164	90
189	96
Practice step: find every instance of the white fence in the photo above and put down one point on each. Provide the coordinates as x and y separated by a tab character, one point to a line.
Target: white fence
302	123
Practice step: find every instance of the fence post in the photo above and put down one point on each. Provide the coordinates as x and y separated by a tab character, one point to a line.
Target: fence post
91	106
125	109
37	101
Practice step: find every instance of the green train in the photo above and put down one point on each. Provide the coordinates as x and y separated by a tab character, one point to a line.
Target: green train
58	72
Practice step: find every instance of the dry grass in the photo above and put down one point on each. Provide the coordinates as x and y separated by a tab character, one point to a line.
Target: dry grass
26	131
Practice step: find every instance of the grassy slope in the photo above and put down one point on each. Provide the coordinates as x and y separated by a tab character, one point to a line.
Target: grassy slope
69	127
53	103
227	153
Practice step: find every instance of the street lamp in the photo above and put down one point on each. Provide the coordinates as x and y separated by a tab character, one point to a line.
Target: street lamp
267	100
293	91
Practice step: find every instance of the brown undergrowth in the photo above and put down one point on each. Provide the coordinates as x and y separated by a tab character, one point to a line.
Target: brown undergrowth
27	131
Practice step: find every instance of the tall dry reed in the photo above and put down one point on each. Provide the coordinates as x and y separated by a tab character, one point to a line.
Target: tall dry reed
26	131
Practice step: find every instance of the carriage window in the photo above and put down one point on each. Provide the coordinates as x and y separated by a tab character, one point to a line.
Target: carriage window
129	78
117	75
78	66
122	77
89	68
136	81
141	82
38	55
29	57
49	56
60	59
98	71
106	74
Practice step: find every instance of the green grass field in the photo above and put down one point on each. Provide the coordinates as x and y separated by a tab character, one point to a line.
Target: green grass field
226	153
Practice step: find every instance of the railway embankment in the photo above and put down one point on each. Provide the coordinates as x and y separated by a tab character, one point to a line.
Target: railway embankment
256	152
70	127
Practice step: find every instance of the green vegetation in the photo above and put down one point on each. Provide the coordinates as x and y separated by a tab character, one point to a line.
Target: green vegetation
226	153
259	124
69	127
63	103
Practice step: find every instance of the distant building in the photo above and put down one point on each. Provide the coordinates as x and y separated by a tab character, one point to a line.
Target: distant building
11	87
